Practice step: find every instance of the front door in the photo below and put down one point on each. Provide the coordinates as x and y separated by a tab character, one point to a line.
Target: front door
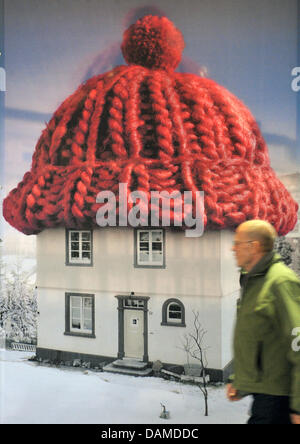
133	327
133	333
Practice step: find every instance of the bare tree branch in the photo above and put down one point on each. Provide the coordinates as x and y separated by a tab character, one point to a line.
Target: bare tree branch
193	346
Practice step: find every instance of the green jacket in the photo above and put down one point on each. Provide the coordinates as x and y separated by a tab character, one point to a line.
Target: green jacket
266	359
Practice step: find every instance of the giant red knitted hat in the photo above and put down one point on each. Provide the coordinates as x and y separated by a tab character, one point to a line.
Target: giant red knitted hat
153	129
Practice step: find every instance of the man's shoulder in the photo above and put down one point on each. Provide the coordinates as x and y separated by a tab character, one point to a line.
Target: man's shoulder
280	273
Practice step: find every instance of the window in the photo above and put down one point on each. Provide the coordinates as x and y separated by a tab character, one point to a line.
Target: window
80	313
150	248
134	303
79	247
173	313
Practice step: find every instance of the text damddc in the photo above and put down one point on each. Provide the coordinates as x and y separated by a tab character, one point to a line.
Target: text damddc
172	433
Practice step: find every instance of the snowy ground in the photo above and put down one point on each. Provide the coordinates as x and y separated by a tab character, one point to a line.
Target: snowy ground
34	394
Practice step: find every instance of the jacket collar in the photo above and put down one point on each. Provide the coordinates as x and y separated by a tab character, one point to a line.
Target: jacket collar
263	265
261	268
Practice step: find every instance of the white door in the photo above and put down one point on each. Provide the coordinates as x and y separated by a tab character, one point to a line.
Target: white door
134	334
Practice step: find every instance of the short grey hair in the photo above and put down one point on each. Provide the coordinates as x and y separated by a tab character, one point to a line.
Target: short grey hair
261	231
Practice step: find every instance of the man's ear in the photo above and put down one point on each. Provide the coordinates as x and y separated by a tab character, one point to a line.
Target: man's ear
258	246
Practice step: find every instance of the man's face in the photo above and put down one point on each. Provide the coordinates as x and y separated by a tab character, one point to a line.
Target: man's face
243	249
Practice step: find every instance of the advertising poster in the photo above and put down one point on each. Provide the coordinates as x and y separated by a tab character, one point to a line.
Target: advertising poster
110	313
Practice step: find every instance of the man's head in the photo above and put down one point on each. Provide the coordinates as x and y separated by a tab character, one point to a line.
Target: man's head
253	239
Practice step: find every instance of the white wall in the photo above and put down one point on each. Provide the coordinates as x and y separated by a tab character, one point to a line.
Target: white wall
51	325
200	272
164	342
230	293
194	266
228	314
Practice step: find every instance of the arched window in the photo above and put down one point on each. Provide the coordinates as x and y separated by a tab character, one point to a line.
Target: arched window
173	313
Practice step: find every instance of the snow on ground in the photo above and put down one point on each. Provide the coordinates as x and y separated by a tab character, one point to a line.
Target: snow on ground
35	394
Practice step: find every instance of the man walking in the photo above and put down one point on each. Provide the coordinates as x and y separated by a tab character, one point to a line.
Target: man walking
266	360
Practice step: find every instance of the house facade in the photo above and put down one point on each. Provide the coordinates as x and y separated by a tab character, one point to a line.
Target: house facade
111	293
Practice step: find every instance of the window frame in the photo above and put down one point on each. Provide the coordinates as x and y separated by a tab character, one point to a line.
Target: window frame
69	331
137	263
165	314
81	262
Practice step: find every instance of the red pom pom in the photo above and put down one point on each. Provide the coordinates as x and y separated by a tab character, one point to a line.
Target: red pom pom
153	42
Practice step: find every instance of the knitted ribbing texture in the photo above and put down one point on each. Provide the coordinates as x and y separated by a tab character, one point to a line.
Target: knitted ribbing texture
153	129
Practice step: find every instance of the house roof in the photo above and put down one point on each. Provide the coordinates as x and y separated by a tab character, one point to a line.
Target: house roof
153	129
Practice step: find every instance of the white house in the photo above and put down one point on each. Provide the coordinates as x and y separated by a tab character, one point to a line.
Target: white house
112	293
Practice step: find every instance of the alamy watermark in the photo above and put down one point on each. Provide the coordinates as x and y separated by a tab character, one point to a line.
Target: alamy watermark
169	209
2	79
296	341
296	81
